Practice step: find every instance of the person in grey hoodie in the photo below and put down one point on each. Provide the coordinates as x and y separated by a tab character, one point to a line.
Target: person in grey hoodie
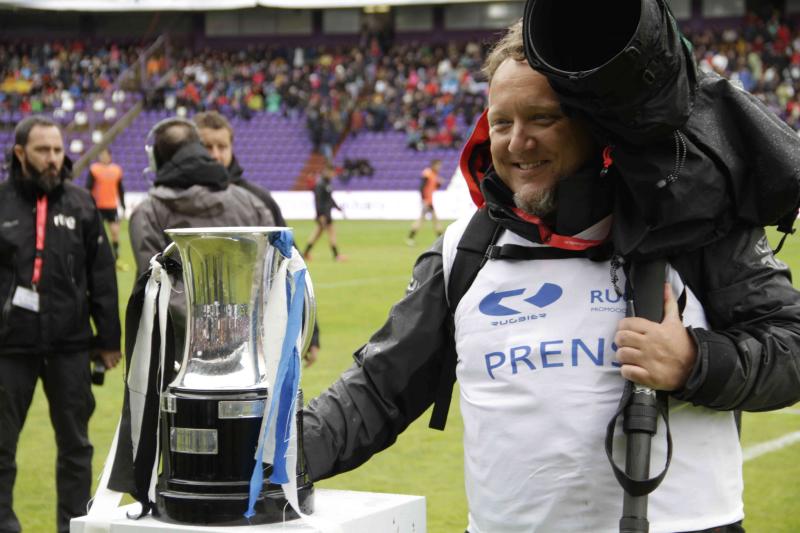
191	189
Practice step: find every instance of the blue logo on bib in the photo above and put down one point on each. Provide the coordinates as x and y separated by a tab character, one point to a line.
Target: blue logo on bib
491	304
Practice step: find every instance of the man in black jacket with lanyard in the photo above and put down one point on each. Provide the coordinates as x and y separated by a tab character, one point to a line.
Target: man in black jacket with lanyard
56	272
544	348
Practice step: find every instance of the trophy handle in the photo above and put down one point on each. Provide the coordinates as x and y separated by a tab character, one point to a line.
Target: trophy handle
171	249
309	314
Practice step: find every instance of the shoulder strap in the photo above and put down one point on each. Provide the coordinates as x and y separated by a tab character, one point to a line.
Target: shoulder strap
481	233
602	252
471	254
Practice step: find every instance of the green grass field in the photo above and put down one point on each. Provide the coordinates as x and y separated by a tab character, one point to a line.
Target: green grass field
353	300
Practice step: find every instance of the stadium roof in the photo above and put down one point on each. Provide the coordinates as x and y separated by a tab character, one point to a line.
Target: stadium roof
207	5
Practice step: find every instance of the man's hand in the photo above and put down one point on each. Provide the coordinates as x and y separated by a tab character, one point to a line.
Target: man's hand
659	356
110	358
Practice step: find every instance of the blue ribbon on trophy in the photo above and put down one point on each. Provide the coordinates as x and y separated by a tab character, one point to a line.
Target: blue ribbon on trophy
277	444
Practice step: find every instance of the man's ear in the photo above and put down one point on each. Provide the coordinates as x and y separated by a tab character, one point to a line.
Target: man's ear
19	151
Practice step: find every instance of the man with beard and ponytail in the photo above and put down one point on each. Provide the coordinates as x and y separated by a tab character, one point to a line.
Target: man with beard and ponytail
539	343
56	272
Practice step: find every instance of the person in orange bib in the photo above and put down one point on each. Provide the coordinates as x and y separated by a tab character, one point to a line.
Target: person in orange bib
430	182
105	182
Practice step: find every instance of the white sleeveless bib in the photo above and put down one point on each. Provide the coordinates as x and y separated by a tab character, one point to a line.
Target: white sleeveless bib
539	383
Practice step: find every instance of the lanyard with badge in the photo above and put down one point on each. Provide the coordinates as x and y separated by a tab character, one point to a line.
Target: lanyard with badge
29	298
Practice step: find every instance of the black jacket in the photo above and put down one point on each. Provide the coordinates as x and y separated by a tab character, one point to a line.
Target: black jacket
236	173
78	273
749	360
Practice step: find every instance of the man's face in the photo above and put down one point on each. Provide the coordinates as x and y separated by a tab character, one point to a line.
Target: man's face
533	144
219	144
42	157
105	157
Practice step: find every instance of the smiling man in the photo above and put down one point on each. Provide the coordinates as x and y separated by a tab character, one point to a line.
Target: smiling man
533	145
532	330
56	272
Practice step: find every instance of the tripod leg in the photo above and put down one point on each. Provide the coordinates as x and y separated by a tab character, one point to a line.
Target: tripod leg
640	424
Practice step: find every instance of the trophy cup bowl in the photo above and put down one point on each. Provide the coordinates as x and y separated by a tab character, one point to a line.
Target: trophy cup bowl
211	412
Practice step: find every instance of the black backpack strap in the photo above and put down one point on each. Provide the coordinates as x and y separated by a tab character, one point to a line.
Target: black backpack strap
516	252
481	233
472	253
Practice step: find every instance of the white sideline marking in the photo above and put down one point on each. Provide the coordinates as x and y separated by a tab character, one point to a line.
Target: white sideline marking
770	446
360	281
789	411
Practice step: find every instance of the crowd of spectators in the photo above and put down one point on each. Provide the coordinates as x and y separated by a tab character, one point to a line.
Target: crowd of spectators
419	89
432	92
763	55
34	77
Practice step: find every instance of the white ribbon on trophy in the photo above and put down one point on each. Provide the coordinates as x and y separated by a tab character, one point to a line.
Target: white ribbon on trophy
105	501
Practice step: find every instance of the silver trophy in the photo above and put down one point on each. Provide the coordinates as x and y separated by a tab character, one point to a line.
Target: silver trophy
212	410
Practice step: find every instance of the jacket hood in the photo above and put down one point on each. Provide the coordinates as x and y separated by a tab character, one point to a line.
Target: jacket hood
476	158
192	165
196	200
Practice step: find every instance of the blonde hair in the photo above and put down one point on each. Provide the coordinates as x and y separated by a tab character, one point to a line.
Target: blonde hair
510	46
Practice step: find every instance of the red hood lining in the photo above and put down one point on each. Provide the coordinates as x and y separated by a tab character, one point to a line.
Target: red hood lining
476	158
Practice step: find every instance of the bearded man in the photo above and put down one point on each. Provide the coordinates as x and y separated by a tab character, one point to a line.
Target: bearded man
56	272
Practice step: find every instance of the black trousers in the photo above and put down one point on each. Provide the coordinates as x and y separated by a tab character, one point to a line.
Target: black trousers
67	385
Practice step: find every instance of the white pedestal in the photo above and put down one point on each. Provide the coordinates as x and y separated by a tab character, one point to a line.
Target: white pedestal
342	510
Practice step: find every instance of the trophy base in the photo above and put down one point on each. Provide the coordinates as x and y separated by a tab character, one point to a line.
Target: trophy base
228	509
